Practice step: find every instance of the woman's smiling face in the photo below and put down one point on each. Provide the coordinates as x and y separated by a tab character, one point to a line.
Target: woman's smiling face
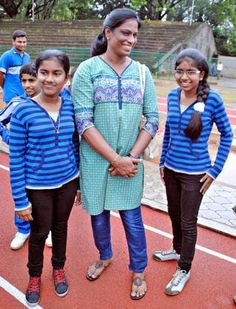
122	39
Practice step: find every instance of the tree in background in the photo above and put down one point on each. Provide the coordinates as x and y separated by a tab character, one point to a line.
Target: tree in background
104	7
72	10
11	8
23	8
219	14
154	10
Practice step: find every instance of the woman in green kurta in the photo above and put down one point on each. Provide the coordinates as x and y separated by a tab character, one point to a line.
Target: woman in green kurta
109	104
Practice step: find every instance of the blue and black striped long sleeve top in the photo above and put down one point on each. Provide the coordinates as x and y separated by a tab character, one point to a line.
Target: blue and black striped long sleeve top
5	116
179	152
43	153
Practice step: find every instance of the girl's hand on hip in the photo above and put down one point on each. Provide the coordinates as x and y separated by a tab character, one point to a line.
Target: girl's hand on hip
162	175
25	214
207	181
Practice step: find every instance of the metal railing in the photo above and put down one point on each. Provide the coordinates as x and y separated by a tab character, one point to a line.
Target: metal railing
160	64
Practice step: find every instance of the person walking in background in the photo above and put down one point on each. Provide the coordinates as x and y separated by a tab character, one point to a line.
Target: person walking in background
185	164
219	69
10	63
44	168
109	105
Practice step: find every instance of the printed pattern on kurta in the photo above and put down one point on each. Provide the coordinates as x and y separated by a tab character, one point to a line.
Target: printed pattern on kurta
114	105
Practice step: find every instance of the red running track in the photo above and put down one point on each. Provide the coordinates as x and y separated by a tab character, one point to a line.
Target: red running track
211	286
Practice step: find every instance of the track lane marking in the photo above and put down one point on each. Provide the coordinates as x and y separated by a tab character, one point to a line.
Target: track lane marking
4	167
200	248
12	290
168	235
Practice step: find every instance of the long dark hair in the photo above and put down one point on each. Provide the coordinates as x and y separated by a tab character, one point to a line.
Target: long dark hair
113	20
194	127
62	58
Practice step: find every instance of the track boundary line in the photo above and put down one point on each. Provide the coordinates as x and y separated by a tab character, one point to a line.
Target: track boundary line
168	235
200	248
4	167
16	293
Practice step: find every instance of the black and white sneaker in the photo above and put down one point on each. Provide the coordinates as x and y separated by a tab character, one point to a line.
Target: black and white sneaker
177	283
169	255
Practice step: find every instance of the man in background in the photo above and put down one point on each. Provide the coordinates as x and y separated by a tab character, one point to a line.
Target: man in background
219	69
10	64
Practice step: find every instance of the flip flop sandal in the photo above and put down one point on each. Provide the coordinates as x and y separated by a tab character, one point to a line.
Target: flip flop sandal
137	281
98	265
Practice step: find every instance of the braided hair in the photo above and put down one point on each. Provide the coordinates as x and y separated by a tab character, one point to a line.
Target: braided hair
194	127
113	20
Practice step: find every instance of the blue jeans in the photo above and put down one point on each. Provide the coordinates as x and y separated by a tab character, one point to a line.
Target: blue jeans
22	225
135	236
184	200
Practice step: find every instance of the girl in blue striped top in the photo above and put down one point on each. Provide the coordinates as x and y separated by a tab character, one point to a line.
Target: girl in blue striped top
185	164
44	168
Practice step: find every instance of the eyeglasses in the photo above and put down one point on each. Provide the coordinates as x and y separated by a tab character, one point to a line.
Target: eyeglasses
189	73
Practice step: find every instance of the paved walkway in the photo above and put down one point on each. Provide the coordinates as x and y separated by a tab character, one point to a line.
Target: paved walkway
216	208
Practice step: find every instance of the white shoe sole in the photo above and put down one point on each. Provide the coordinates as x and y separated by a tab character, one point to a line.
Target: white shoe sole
62	295
32	304
156	258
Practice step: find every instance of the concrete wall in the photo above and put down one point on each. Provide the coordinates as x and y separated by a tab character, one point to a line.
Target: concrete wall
229	66
203	40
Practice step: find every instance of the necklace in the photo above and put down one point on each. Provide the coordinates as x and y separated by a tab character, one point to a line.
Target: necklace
56	124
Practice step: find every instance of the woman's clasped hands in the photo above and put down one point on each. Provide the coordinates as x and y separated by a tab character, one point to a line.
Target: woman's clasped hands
124	166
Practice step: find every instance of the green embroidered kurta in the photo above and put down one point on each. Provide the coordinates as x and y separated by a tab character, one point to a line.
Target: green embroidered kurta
114	105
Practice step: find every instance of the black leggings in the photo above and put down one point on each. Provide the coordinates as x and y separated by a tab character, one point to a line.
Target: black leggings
184	199
50	210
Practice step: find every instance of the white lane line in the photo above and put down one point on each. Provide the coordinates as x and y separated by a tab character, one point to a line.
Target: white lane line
200	248
167	235
9	288
4	167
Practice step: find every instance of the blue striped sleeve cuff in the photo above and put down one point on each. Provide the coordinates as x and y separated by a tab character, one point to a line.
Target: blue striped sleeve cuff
20	208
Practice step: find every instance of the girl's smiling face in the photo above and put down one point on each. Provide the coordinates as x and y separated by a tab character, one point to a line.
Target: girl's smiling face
188	76
51	77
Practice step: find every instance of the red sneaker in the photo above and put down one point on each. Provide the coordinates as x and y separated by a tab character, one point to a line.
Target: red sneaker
32	294
60	282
